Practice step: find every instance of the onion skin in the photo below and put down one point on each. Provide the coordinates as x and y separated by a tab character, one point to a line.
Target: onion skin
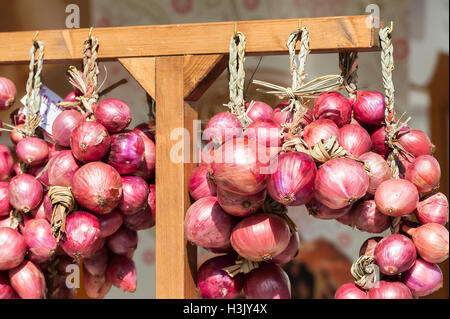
32	151
423	278
215	283
395	254
259	111
5	221
123	242
24	192
134	195
367	218
368	247
433	209
260	237
97	187
390	290
379	170
147	128
415	142
127	152
269	281
97	264
340	182
6	291
147	167
318	130
61	169
110	223
240	205
5	207
333	106
8	93
369	107
39	238
379	141
28	281
321	211
354	139
144	219
44	210
280	117
292	183
16	134
431	241
89	141
207	225
113	114
222	127
122	273
290	252
350	291
200	183
12	248
265	132
42	172
64	125
396	197
96	287
6	163
425	173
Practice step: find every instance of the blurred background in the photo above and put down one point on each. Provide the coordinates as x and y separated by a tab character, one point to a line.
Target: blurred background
421	77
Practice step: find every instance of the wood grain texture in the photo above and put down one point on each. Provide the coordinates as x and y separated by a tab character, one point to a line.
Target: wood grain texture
328	34
143	71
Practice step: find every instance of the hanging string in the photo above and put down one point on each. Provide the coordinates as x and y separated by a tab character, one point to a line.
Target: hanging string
348	63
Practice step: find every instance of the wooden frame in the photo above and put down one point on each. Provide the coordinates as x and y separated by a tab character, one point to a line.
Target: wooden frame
175	64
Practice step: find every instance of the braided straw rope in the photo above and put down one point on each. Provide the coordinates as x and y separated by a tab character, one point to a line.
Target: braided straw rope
348	63
365	272
63	202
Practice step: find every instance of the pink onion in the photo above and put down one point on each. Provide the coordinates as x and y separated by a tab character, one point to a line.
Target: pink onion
5	207
127	152
24	192
32	151
82	235
319	130
97	187
144	219
110	223
280	117
379	170
28	281
368	247
122	273
423	278
201	183
425	173
390	289
71	97
207	225
96	287
134	195
354	139
147	167
367	218
39	238
8	93
222	127
240	205
97	264
18	116
113	114
321	211
415	142
147	128
63	126
44	210
333	106
269	281
350	291
290	252
396	197
340	182
395	254
61	169
369	107
379	141
433	209
123	242
258	111
292	183
89	141
12	248
6	163
264	132
17	134
6	291
214	283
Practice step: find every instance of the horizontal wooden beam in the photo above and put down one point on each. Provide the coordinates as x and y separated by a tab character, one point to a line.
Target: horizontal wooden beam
328	34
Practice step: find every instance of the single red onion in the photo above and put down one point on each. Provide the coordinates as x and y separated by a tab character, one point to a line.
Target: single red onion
82	235
39	238
32	151
390	289
403	162
113	114
6	163
123	242
433	209
354	139
292	183
201	183
18	116
28	281
148	128
215	283
96	287
415	142
134	195
240	205
379	170
321	211
61	169
425	173
17	134
122	273
368	247
260	237
319	130
367	218
71	97
146	217
379	141
290	252
63	126
396	197
423	278
340	182
269	281
6	291
97	264
282	117
5	207
89	141
333	106
12	248
258	111
207	225
127	152
8	93
147	167
44	210
25	192
350	291
369	106
265	132
222	127
395	254
97	187
110	223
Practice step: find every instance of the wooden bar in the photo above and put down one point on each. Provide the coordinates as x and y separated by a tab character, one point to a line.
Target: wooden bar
328	34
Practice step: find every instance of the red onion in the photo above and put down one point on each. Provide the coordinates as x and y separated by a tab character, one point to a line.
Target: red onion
320	130
379	170
269	281
238	167
143	219
265	132
97	264
321	211
97	187
390	289
28	281
280	117
240	205
17	134
12	248
415	142
292	183
39	238
113	114
110	223
24	192
148	129
71	97
44	210
354	139
207	225
367	218
258	111
340	182
222	127
396	197
32	151
379	141
423	278
214	283
433	209
89	141
123	242
395	254
134	195
5	207
42	172
425	173
61	169
7	93
260	237
368	247
147	167
127	152
290	252
333	106
96	287
207	154
6	291
369	107
122	273
82	235
6	163
18	116
350	291
63	126
201	183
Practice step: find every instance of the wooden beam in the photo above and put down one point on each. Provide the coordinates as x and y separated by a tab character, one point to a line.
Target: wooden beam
143	71
328	34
